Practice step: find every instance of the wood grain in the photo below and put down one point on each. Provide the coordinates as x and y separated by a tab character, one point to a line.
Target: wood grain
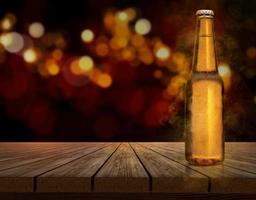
223	179
135	168
237	155
36	155
21	178
122	173
75	176
168	175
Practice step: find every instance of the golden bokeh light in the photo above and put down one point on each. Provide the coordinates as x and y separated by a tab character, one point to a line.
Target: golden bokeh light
6	39
104	80
163	53
86	63
87	35
13	42
143	26
36	30
122	16
75	68
30	55
53	69
8	22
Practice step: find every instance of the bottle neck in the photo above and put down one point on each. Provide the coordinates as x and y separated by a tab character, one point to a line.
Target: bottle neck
204	58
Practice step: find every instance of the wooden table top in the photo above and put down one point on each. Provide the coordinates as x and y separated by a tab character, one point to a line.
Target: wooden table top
122	167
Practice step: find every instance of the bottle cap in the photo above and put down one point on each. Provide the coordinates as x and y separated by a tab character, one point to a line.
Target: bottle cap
205	12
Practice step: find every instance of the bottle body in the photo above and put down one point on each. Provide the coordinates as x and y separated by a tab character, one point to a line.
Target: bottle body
204	115
204	144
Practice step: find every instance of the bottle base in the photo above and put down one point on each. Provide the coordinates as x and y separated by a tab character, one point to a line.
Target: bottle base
204	161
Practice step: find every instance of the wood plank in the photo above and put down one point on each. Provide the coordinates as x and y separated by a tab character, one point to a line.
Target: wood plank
249	148
123	172
13	152
75	176
243	161
35	156
224	179
168	175
9	150
21	178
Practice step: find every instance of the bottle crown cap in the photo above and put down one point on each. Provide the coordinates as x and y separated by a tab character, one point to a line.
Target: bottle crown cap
205	12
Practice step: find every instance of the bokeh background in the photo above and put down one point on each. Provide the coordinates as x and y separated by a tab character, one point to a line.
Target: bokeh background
114	70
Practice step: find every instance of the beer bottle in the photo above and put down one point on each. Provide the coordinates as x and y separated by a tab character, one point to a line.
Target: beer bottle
204	143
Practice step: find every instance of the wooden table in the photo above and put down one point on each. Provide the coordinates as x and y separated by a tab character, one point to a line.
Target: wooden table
126	170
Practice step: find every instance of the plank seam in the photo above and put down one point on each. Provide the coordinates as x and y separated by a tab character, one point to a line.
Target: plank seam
149	175
227	165
209	179
93	176
35	177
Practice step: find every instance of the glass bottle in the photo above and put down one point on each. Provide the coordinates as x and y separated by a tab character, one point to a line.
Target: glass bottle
204	143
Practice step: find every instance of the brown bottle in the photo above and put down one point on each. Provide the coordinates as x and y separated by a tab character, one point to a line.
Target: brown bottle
204	143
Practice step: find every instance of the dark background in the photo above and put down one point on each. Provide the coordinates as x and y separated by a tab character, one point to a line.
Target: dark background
135	107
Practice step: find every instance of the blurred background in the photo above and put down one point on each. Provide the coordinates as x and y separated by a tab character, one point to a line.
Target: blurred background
114	70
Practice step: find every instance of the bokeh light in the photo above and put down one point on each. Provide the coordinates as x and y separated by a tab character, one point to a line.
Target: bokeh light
86	63
30	55
104	80
75	67
53	69
163	53
143	26
224	70
36	30
87	35
124	62
122	16
8	22
225	73
6	40
13	42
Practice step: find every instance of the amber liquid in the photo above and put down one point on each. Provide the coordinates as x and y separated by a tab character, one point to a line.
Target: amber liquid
204	113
